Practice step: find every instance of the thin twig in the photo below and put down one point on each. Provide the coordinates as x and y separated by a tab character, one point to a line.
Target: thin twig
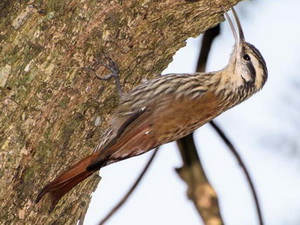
243	166
130	191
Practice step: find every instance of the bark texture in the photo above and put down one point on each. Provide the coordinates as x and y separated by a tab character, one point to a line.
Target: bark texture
52	110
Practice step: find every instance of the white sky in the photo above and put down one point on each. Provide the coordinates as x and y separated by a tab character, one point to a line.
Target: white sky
265	129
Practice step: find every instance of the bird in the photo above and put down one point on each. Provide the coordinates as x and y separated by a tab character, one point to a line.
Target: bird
167	108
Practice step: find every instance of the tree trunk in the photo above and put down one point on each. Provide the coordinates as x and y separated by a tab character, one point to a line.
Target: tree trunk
53	109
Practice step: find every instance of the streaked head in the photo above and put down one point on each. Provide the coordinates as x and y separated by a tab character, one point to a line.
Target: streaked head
248	63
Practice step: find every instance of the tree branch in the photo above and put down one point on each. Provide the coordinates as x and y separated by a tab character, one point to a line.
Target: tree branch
244	169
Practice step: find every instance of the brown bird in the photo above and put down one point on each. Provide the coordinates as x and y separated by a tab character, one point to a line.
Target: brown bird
168	108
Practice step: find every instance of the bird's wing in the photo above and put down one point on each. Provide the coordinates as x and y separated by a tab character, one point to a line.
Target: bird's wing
132	137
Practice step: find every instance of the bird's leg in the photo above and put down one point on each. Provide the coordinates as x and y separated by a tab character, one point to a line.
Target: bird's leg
109	64
114	69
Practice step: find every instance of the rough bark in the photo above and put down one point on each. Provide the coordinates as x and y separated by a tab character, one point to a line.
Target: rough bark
53	110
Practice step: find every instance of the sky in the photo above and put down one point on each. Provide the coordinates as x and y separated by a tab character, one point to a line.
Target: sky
265	129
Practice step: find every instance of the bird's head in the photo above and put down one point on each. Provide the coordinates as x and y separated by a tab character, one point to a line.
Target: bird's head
249	67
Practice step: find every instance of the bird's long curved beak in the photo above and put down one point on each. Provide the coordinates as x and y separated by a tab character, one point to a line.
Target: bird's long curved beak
239	37
240	29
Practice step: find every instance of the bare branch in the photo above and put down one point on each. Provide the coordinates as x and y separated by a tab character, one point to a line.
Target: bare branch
199	189
243	166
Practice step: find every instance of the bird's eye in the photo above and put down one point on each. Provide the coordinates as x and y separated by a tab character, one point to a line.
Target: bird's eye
246	57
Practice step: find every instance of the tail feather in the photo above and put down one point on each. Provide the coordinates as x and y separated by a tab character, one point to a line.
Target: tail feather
67	180
129	140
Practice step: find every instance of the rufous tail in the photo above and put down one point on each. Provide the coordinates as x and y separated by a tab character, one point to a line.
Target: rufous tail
67	180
